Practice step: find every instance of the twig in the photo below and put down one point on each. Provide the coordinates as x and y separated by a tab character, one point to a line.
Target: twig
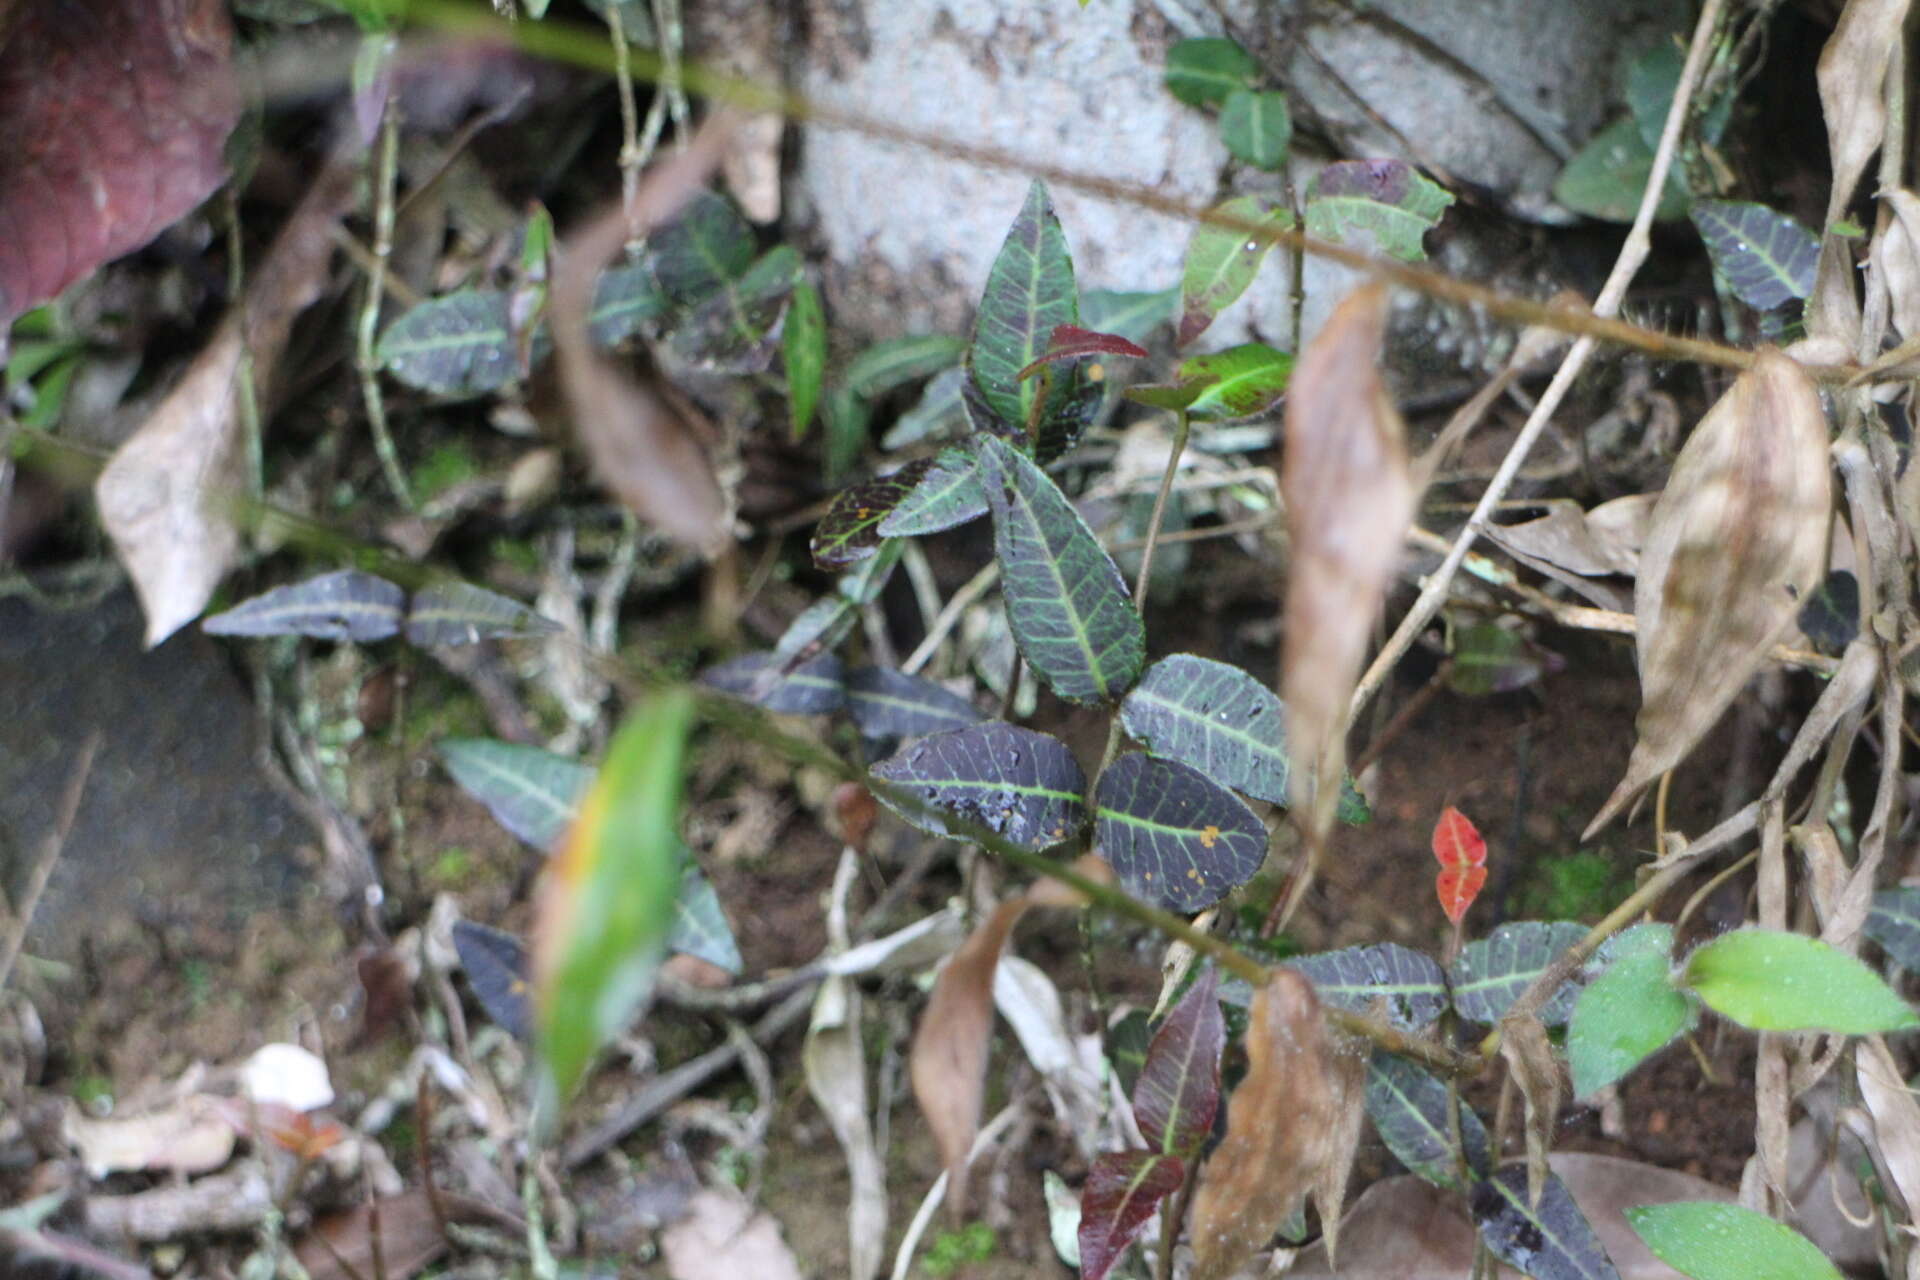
975	587
368	328
56	842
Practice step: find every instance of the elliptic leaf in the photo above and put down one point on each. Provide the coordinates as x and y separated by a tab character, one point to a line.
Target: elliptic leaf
811	688
1708	1240
1133	316
1606	177
1767	980
1023	786
1123	1189
1627	1013
496	966
1215	717
1066	602
530	792
803	352
1491	972
984	418
1202	72
947	494
347	605
705	247
1552	1241
1173	835
1387	202
1248	380
888	365
625	301
892	704
1651	80
938	413
1223	260
458	346
1767	257
1029	291
1456	841
700	926
1409	1110
461	613
1071	342
1178	1090
847	419
1894	923
1413	985
1257	128
850	531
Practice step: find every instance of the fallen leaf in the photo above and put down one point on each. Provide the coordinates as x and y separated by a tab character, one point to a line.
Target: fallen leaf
723	1238
402	1231
190	1136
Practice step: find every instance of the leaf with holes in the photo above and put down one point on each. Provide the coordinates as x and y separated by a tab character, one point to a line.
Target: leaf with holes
1766	257
1413	986
948	494
1215	717
461	613
850	531
459	346
1123	1189
1629	1012
1382	205
347	605
1711	1241
811	688
1178	1089
1247	380
1409	1110
530	792
1257	128
1020	785
1767	980
887	366
1222	260
1066	602
1894	923
1202	72
496	967
1030	290
702	249
1552	1241
625	301
892	704
700	925
803	355
1173	835
1491	972
1133	316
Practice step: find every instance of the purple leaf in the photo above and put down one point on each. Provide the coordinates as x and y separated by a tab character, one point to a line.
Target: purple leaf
1179	1086
1121	1193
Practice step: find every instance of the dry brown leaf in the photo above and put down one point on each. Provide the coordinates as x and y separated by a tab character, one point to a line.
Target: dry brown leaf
190	1136
1349	497
835	1062
1733	546
1282	1123
1852	74
1347	1076
722	1238
1529	1057
640	445
165	494
401	1228
1896	1117
1898	254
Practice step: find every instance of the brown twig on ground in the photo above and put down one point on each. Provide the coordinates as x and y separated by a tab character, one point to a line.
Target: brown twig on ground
50	852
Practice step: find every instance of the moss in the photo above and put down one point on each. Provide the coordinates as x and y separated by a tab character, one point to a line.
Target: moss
1576	886
952	1250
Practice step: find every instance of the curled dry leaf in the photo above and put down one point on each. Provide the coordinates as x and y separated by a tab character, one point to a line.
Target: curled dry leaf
1283	1123
1897	252
1529	1057
1896	1118
1733	547
1349	497
1347	1078
1852	74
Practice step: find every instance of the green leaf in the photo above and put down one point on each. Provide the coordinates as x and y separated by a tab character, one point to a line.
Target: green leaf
1490	973
1549	1241
1708	1240
461	613
1202	72
1222	261
1489	658
1386	203
345	605
1131	315
1650	84
888	365
938	413
1408	1107
1627	1013
530	792
1023	786
700	926
459	346
1215	717
1257	128
1178	1089
708	245
803	352
1029	290
1171	396
1066	603
1767	980
892	704
625	300
1413	985
848	419
1074	396
731	331
1606	177
1894	923
946	495
1122	1191
1248	380
1766	257
815	687
850	531
1174	836
610	897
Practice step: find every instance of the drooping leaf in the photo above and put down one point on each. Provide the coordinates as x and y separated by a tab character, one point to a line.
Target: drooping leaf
1490	973
1133	316
1627	1013
345	605
1551	1241
1178	1089
1215	717
461	613
1071	342
1408	1106
1030	290
815	687
1173	835
1066	602
803	352
458	346
1202	72
1768	980
1257	128
608	900
1024	786
708	245
1413	986
1606	177
1387	205
938	414
1894	923
625	301
1122	1191
732	331
850	531
496	967
1247	380
530	792
700	925
1222	260
892	704
1767	257
895	362
948	494
1711	1241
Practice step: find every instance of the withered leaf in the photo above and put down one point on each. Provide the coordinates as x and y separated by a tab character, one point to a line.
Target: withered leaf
1529	1057
1851	73
1733	546
1347	1076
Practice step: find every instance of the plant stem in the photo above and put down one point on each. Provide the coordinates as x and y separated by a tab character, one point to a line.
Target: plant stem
1182	425
369	327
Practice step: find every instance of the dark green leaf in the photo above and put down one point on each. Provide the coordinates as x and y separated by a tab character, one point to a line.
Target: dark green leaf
1247	380
888	365
496	967
1386	204
1131	315
1215	717
1024	786
1830	618
1127	1042
1066	603
1171	396
705	247
1178	1090
625	301
346	605
1707	1240
732	330
892	704
1123	1189
700	926
1202	72
1894	923
1606	177
1408	1107
1767	980
1223	260
1551	1242
948	494
1257	128
813	687
1412	984
1651	81
850	531
803	350
825	622
1627	1013
460	613
848	419
458	346
530	792
984	418
938	413
1075	392
1490	973
1766	257
1488	659
1173	835
1030	290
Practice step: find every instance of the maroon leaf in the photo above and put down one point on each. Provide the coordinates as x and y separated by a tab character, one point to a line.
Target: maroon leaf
1071	342
1179	1086
1121	1193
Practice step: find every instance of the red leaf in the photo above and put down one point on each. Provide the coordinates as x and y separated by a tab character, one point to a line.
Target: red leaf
1121	1192
1457	842
1179	1086
1071	342
1457	887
